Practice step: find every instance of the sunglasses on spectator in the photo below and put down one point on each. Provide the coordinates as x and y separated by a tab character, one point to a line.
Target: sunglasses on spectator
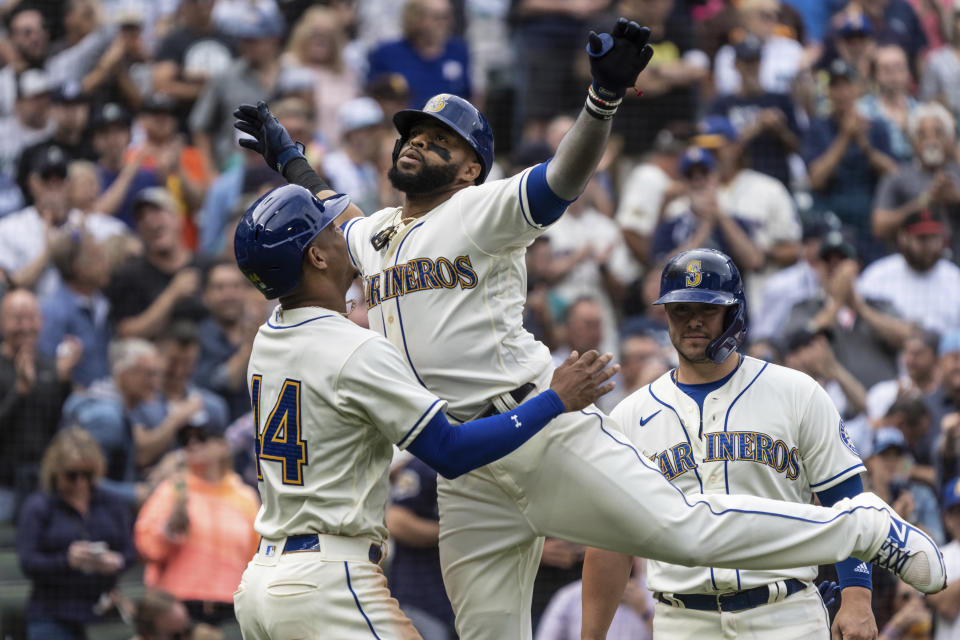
191	434
72	475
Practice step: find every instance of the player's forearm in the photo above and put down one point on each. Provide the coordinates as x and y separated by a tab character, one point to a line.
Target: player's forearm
578	155
410	529
890	329
947	602
605	575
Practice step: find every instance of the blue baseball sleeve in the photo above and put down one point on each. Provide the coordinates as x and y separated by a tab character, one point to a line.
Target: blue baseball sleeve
546	207
455	450
851	572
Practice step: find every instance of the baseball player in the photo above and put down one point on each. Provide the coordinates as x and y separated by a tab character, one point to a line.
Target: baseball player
725	423
330	399
445	283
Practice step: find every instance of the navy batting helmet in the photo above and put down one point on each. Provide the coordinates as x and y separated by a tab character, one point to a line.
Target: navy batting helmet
459	115
274	232
708	276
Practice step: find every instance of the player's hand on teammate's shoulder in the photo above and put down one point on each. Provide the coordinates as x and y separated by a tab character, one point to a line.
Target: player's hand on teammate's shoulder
583	378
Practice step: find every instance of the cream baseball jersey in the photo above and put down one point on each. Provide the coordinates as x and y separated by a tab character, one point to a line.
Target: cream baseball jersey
330	399
456	277
769	431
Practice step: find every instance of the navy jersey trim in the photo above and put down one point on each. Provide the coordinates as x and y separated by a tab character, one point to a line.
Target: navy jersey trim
834	477
417	423
346	568
299	324
347	227
682	426
403	333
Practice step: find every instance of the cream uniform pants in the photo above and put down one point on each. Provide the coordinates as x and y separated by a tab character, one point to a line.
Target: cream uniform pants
580	480
312	595
801	616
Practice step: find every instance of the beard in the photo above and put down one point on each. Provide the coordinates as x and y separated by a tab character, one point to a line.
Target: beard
427	180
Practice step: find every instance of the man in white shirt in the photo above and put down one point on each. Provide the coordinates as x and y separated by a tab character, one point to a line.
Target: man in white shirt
922	285
947	602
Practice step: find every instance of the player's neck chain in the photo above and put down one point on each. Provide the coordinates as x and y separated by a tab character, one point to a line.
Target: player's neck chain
383	237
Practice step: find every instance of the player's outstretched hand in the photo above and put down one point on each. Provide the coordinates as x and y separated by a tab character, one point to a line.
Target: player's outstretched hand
618	57
580	380
271	139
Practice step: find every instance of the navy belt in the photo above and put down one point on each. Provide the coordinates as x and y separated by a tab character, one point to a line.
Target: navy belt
517	394
311	542
728	602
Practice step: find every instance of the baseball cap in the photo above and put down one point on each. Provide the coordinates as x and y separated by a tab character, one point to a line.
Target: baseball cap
749	49
158	103
359	113
32	83
715	132
254	22
70	92
49	161
854	23
951	494
923	222
110	113
888	438
949	342
156	196
840	69
835	242
696	156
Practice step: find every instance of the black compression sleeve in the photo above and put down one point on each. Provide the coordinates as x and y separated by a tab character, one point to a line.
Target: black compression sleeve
298	171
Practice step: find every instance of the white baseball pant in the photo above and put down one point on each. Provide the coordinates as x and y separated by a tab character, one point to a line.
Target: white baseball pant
580	480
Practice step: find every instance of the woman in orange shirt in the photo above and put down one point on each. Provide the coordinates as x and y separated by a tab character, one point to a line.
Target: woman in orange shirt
196	530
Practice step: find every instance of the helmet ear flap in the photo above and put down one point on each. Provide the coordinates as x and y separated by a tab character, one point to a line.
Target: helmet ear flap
734	333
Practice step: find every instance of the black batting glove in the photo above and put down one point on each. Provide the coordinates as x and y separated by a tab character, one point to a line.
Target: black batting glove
271	139
617	58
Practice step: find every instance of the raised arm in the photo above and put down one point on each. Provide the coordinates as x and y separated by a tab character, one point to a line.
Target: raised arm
616	60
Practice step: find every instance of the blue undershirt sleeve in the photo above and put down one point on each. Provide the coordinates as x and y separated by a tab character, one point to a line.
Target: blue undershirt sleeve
546	207
455	450
850	572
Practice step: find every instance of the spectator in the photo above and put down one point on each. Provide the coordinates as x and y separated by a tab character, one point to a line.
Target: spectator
415	580
121	178
914	500
759	202
780	58
766	121
226	335
890	102
670	83
896	21
30	40
932	180
945	400
921	284
30	123
317	44
33	390
352	168
196	530
865	332
179	166
854	39
78	308
192	53
920	375
179	402
430	58
150	290
70	110
118	73
642	360
561	564
946	604
699	218
911	617
846	155
105	410
539	306
73	540
811	353
650	184
252	77
940	79
160	616
633	619
25	235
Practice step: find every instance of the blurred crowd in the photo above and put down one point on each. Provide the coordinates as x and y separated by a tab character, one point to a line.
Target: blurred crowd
814	141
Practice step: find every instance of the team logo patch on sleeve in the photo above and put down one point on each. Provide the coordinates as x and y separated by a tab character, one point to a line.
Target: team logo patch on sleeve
845	437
